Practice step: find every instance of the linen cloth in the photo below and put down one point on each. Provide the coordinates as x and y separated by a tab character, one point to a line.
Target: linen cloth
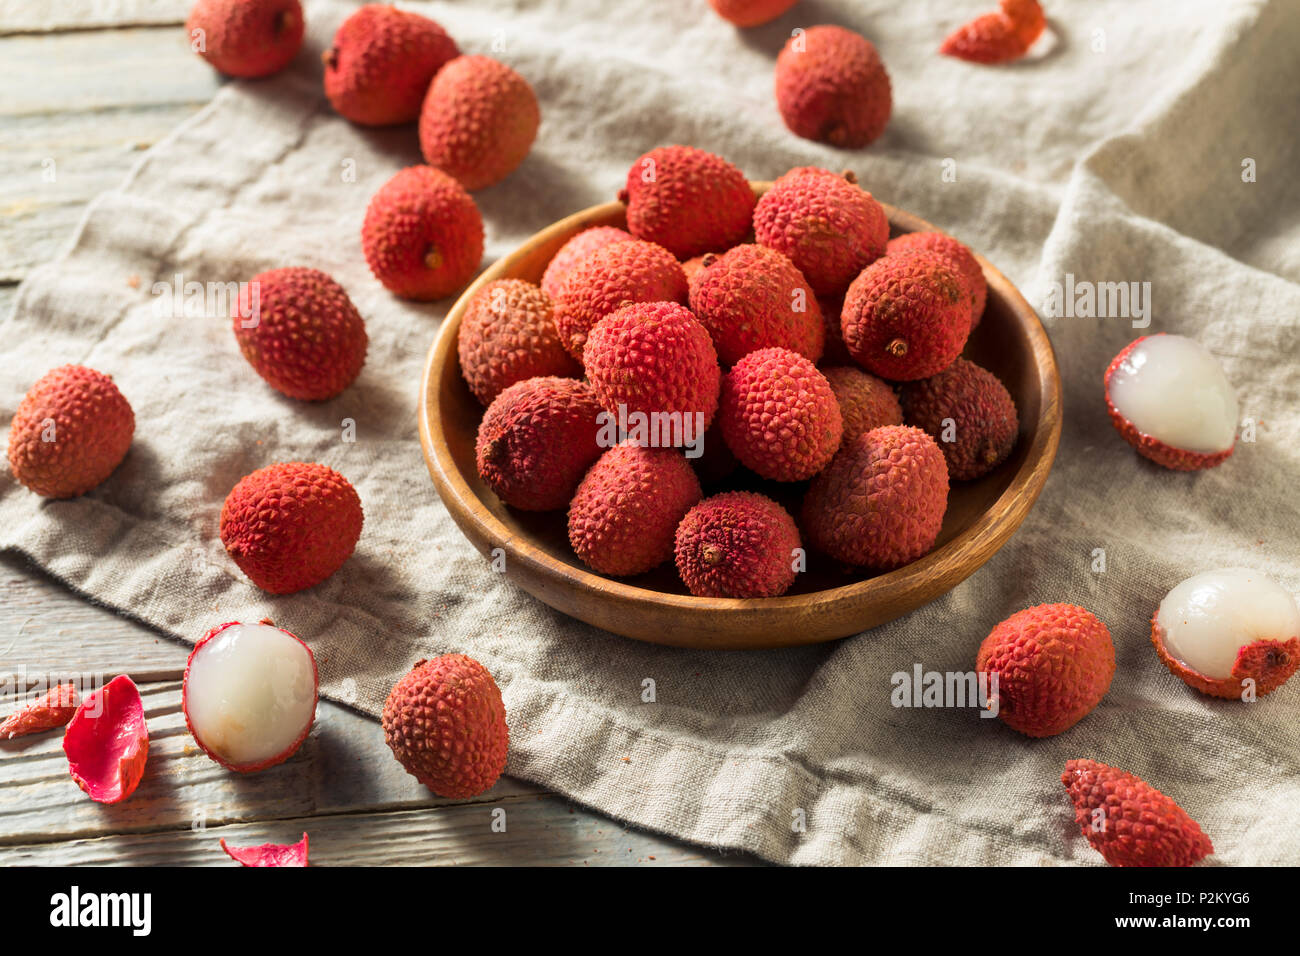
1122	150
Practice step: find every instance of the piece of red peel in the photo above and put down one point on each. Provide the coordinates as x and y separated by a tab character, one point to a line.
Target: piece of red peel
269	854
991	38
52	709
1026	17
107	742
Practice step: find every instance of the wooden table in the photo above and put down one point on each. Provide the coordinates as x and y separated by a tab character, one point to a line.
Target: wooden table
85	85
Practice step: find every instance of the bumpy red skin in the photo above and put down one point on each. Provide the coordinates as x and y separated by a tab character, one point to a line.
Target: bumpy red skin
866	402
751	13
1150	447
1026	17
536	440
269	854
1269	663
752	297
835	89
381	63
422	235
92	431
963	259
506	335
653	357
52	709
478	121
247	38
107	742
1054	664
687	200
609	278
991	38
625	513
829	227
574	251
290	526
906	317
880	503
779	416
984	417
1143	827
446	724
737	545
300	332
259	764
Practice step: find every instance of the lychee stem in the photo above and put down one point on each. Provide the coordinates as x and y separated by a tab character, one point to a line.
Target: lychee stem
433	258
330	58
622	196
897	348
850	176
711	554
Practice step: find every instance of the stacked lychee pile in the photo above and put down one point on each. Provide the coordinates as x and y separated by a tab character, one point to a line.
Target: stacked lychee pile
786	344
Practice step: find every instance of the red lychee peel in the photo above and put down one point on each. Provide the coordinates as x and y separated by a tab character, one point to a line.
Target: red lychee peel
737	544
688	201
831	86
967	266
1269	663
52	709
107	742
507	334
269	854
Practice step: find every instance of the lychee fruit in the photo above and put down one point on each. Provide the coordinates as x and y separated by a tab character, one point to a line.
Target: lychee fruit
249	695
107	742
752	297
300	332
751	13
422	235
827	225
536	440
247	38
1232	633
880	503
577	248
831	86
906	317
52	709
1168	397
290	526
446	724
688	201
737	545
614	275
71	430
1052	664
653	357
506	335
624	515
269	854
478	121
381	63
778	415
969	413
968	267
865	402
1130	822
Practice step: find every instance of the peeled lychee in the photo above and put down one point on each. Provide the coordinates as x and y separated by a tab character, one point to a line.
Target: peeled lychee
969	413
865	402
506	335
247	38
968	267
827	225
578	247
751	13
687	200
778	415
381	63
290	526
52	709
752	297
446	724
71	430
107	742
1130	822
536	440
269	854
422	235
738	545
906	317
249	695
1053	664
1168	397
832	86
625	513
478	121
880	503
1229	632
300	332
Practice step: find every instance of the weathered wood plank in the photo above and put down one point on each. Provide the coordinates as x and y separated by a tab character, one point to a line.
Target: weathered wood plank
27	16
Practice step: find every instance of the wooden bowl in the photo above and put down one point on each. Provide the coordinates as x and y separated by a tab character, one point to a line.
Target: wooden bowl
824	603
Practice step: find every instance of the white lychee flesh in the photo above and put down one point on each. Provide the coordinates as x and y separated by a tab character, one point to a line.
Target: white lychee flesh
250	693
1172	388
1208	618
